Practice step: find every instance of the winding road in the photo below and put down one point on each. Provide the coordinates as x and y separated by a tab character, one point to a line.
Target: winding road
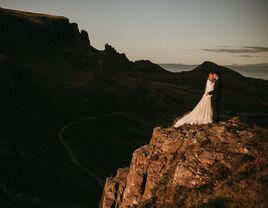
71	154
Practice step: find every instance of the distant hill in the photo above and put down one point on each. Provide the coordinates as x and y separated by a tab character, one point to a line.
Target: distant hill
258	71
50	75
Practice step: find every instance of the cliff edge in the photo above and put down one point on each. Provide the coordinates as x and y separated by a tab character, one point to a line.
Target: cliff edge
211	165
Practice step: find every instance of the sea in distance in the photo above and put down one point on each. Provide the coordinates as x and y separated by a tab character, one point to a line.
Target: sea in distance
259	71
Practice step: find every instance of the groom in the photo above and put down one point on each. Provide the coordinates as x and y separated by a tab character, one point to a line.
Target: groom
216	97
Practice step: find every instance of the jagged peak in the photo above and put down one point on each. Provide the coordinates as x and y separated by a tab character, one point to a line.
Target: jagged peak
109	48
111	54
84	36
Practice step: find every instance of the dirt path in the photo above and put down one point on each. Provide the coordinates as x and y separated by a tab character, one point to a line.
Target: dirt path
71	154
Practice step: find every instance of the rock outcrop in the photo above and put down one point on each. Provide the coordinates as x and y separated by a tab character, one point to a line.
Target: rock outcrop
28	29
192	166
111	55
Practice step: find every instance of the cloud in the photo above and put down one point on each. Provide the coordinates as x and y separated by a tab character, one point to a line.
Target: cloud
257	49
222	46
244	49
248	56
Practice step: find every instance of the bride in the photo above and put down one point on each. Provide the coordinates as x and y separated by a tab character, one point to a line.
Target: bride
202	113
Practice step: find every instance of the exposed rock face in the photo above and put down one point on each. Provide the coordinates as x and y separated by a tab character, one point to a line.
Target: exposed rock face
190	166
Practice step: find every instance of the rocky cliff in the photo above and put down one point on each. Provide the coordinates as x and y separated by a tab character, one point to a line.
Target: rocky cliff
29	28
193	166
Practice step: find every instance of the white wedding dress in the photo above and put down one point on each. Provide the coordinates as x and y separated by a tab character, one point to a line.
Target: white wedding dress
202	113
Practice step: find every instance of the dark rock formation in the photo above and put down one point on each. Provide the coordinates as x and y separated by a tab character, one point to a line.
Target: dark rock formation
193	166
25	29
84	36
110	54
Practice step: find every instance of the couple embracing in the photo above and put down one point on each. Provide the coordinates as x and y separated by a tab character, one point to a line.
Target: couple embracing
207	110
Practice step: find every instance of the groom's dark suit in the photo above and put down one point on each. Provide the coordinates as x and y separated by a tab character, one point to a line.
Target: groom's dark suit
215	99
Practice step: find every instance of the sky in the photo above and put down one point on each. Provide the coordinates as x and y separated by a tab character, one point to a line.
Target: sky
168	31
